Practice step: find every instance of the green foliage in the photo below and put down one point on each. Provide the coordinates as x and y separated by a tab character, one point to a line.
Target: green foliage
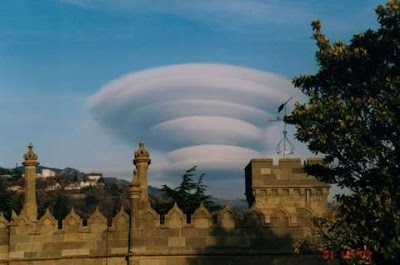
61	206
188	195
9	200
5	171
353	116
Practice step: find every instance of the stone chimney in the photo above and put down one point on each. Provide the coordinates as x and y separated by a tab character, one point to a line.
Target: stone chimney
30	163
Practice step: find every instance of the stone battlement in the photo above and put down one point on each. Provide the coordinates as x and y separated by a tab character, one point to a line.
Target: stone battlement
283	200
21	238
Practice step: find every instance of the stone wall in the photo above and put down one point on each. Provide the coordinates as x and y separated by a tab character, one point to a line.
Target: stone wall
223	237
23	240
282	200
224	232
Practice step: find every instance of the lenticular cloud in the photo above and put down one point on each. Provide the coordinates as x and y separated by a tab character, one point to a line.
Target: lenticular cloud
211	115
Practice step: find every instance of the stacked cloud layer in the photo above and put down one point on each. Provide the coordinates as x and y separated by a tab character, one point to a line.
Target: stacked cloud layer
211	115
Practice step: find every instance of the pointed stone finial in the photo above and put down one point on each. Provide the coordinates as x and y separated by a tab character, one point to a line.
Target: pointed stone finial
142	154
72	218
175	218
121	215
30	155
121	210
97	216
47	218
201	212
14	215
72	211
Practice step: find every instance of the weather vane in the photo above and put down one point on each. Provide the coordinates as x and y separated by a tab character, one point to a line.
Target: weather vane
285	147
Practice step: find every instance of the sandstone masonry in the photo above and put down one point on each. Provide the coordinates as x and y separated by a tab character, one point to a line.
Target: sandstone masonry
282	200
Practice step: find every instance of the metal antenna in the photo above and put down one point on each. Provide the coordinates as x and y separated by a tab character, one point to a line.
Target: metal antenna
285	146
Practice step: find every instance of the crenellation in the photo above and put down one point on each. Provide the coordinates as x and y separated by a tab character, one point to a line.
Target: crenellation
72	222
175	218
253	218
97	221
47	223
279	213
149	218
202	218
121	221
226	217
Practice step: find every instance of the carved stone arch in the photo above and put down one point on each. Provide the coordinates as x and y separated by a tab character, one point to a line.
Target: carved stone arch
175	218
201	218
280	217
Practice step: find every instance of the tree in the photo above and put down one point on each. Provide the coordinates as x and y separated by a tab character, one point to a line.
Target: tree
9	200
188	195
353	117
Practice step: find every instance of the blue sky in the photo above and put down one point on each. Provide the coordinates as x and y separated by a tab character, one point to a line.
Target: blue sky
55	56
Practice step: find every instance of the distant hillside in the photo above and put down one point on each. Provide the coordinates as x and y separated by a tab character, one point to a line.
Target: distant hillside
66	171
112	180
239	204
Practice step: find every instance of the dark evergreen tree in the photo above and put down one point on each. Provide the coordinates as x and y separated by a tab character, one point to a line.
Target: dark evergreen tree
188	195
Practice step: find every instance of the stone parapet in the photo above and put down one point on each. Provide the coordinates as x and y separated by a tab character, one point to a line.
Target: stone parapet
223	232
22	239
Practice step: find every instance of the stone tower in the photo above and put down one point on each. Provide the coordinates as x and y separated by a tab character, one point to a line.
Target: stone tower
284	193
142	162
138	190
30	163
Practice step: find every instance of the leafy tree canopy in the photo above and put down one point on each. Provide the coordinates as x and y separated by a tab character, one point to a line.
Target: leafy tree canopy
353	116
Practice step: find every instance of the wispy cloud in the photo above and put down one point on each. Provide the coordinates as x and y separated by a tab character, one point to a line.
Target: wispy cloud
234	14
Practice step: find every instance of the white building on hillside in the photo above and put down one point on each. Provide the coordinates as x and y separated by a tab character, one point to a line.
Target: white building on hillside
94	176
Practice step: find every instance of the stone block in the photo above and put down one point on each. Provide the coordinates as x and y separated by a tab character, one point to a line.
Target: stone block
167	232
190	232
122	250
176	241
150	232
74	236
290	163
30	247
17	255
204	231
150	262
122	243
75	252
176	261
161	242
196	242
